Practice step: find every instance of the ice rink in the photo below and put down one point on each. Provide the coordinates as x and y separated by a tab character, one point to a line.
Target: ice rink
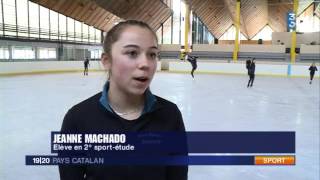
31	106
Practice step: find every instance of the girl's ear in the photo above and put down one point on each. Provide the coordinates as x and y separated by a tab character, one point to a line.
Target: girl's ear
106	61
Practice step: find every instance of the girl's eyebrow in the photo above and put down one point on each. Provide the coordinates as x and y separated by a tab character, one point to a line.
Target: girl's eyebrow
131	46
136	46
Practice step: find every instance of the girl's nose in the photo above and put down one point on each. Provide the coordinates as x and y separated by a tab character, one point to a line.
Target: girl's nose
144	62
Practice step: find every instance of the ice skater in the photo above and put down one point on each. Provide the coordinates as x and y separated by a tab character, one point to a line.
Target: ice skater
251	66
248	62
312	69
193	61
86	64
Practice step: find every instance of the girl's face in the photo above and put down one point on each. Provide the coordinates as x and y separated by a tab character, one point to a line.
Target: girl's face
133	60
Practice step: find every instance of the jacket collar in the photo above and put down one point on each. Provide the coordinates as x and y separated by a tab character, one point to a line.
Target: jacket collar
149	105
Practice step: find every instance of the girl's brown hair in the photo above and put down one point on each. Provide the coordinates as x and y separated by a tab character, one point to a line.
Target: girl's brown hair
115	32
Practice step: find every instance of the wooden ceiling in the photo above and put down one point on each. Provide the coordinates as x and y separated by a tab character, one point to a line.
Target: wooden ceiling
277	17
153	12
86	11
218	15
103	14
214	14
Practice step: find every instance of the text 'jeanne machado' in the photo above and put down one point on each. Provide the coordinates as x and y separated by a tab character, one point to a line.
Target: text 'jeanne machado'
89	138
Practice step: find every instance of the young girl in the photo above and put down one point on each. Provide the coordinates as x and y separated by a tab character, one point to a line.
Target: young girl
126	104
193	61
312	69
251	70
86	64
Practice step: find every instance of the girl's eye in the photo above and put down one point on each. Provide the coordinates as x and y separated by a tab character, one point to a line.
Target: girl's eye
153	55
132	54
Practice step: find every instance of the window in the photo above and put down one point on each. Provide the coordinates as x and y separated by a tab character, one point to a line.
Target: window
195	37
9	11
4	52
78	30
205	35
159	35
53	25
182	21
1	23
47	53
62	27
95	54
210	38
70	34
22	17
85	31
176	21
44	22
200	32
167	31
23	52
98	36
34	19
91	34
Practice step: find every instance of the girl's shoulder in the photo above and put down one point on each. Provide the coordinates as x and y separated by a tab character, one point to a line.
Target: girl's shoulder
87	104
164	102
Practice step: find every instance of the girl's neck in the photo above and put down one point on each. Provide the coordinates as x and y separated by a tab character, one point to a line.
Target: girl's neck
124	103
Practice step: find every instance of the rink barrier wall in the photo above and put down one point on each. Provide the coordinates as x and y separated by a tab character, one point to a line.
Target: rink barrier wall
276	69
212	67
34	67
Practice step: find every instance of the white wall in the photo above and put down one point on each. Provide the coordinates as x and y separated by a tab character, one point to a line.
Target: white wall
213	47
309	49
305	38
262	48
49	66
240	68
169	47
242	48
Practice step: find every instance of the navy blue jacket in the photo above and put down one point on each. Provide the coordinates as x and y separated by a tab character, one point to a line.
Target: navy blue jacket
251	69
193	61
91	116
313	69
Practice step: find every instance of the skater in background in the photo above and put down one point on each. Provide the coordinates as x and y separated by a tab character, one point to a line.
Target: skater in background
86	65
193	61
251	66
248	62
312	69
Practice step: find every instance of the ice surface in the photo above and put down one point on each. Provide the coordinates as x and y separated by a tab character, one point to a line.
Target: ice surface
32	106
